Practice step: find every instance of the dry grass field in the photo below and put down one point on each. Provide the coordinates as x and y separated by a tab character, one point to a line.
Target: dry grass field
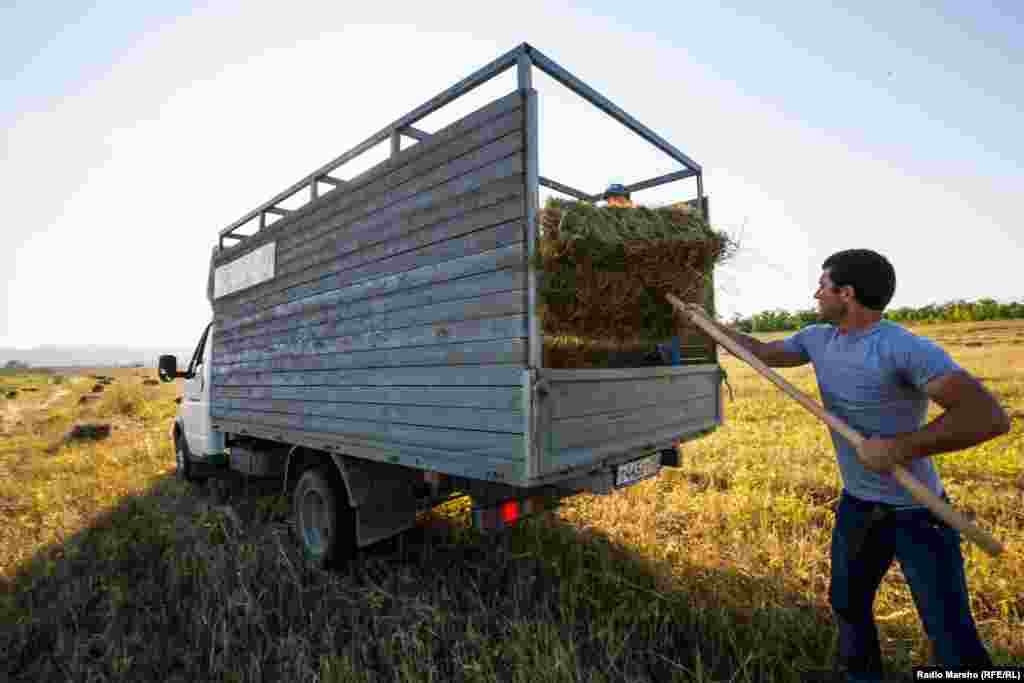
111	570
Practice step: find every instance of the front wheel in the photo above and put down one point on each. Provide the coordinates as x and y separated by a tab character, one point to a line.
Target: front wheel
183	469
324	522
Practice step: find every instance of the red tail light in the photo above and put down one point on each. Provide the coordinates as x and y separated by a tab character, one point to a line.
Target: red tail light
510	511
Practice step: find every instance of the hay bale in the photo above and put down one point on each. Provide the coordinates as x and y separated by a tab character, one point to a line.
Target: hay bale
150	382
86	398
90	432
605	274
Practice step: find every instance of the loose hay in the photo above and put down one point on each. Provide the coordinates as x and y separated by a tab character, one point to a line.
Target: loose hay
88	432
605	274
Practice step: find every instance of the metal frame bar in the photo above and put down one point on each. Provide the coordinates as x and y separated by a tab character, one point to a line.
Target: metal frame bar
415	133
601	102
524	56
565	189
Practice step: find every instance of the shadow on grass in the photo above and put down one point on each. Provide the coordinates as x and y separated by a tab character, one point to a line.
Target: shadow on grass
169	587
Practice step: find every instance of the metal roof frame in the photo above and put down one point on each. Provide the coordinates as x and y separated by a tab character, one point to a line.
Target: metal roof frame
523	57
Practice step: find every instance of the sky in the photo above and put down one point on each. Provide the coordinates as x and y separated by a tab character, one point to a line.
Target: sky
134	132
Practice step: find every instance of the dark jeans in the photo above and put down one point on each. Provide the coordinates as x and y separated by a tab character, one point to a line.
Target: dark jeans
866	538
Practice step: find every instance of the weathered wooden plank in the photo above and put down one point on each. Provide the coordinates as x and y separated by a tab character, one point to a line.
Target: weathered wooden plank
405	180
326	204
422	335
342	251
581	399
494	444
559	465
465	464
254	298
496	352
447	417
447	206
471	149
511	256
485	398
460	377
355	269
332	309
293	245
578	432
502	305
556	375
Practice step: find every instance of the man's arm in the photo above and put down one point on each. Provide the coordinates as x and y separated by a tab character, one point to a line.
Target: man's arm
773	354
972	416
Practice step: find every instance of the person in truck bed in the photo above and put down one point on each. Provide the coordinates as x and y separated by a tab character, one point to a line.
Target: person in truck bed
878	377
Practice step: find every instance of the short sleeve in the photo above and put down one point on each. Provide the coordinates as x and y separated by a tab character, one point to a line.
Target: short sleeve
920	360
801	343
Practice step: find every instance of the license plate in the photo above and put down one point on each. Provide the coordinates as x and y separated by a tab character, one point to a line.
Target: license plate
643	468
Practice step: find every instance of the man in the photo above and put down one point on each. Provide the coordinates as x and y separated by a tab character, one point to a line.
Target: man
878	377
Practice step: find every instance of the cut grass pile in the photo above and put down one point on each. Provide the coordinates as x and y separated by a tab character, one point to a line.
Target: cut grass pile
605	272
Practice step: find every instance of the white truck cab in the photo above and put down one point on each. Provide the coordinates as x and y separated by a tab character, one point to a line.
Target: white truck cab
195	440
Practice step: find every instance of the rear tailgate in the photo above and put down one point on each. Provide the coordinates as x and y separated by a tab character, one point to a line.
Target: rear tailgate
590	418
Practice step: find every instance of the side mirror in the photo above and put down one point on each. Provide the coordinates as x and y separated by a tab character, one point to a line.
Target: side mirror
168	368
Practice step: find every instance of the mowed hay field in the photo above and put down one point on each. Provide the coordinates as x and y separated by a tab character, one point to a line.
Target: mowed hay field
111	570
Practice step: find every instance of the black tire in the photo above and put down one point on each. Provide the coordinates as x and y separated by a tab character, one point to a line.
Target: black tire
324	523
183	468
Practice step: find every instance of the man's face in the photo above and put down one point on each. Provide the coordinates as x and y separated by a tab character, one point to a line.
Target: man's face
832	301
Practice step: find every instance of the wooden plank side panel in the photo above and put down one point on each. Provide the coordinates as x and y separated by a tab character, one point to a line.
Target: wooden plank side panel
501	159
487	329
504	421
582	399
355	189
342	253
602	429
461	377
333	309
498	305
449	203
508	447
396	321
270	293
486	353
508	399
461	156
478	242
337	290
458	463
449	163
574	461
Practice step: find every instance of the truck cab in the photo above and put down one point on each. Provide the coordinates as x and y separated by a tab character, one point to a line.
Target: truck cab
195	441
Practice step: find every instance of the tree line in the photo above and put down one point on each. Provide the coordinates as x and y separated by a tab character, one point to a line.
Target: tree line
779	320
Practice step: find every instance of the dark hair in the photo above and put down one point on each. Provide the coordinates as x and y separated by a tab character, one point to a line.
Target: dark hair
869	273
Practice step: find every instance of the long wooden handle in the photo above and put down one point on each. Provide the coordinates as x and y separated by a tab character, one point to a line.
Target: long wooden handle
919	491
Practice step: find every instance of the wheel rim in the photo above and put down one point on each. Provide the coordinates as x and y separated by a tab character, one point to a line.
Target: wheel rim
316	523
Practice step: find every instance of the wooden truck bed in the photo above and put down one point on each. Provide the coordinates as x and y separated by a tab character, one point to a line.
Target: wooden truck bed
394	318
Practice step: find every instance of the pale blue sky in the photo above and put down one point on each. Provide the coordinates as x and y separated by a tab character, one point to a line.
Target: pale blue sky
132	135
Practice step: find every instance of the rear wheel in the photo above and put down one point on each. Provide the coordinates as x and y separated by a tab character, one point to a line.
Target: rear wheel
324	522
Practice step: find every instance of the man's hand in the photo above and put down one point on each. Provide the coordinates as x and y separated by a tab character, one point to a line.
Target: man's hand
881	455
695	310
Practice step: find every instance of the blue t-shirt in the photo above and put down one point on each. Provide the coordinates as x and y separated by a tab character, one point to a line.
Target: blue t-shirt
874	381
